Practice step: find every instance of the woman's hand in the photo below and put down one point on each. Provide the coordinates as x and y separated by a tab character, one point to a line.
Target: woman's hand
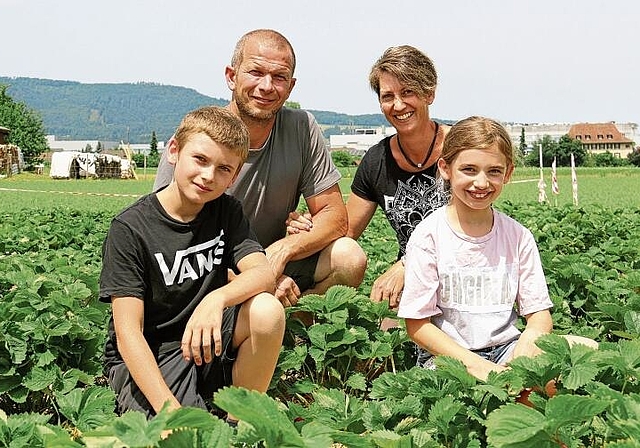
298	222
389	285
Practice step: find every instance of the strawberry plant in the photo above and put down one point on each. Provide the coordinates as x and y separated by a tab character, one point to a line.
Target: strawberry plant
344	348
340	381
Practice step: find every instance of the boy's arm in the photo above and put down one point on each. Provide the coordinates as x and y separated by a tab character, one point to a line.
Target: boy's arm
128	314
437	342
538	323
203	329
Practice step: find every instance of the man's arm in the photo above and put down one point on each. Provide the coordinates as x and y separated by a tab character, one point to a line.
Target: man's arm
164	173
329	217
128	313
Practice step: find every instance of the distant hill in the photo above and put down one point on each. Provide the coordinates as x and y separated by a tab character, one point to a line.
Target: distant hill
113	112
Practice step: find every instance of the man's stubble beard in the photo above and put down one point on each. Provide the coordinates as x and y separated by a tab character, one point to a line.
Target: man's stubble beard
253	115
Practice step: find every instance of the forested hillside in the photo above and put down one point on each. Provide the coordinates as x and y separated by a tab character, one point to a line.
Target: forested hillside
129	112
110	112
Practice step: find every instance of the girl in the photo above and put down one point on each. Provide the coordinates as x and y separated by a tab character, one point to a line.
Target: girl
468	264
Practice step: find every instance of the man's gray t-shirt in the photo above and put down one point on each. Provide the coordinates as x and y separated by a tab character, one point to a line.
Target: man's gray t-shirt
294	162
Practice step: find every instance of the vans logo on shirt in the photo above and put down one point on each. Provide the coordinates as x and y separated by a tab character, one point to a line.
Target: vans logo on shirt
193	262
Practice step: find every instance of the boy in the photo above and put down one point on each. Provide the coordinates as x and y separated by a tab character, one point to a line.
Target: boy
179	330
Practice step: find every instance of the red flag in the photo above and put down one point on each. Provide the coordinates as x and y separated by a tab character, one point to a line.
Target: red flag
574	181
542	195
554	179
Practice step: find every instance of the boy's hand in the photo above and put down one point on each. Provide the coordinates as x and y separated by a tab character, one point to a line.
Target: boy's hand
203	331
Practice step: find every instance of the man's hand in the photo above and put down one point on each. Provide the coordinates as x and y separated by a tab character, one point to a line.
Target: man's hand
203	331
287	291
298	222
389	285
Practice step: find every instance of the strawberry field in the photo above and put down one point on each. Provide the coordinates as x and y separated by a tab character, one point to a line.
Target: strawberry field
341	381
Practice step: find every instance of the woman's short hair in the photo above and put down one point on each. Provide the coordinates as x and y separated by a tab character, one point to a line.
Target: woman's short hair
409	65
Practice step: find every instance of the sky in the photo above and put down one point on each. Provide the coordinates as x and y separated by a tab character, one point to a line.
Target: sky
541	61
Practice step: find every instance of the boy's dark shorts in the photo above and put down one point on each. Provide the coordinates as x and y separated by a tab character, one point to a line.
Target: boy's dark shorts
303	271
192	385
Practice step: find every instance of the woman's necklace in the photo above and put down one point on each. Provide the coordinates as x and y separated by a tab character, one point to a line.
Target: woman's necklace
411	162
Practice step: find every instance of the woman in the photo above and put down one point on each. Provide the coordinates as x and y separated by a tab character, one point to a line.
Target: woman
398	173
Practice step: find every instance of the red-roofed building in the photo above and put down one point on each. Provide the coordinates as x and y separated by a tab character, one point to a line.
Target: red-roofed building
598	138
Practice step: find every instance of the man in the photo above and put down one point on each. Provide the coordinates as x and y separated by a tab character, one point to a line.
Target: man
288	159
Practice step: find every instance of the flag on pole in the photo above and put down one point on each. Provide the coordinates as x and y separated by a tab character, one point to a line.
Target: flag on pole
542	195
574	181
554	178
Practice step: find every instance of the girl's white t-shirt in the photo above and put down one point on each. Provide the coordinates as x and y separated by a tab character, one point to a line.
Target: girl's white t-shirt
468	286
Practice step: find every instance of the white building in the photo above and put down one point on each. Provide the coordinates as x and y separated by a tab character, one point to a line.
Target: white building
77	145
360	140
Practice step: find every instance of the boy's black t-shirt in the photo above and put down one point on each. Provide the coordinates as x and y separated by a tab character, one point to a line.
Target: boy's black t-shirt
169	264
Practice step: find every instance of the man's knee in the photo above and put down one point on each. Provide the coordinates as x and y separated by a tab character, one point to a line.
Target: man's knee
349	260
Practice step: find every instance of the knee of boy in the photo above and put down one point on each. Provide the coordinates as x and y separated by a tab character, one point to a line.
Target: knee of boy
267	314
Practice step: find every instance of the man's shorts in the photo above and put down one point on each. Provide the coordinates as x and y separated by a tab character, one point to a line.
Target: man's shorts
192	385
303	271
498	354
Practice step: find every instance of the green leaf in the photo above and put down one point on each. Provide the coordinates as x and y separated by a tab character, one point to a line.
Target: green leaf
19	394
566	409
45	358
389	439
317	435
293	359
632	321
88	408
514	423
189	417
583	369
132	429
357	381
8	383
197	426
443	412
262	413
40	378
452	368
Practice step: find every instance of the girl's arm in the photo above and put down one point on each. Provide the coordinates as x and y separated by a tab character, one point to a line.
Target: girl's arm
128	315
437	342
538	323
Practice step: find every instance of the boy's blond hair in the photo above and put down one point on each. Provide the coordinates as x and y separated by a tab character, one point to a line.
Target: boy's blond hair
220	125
